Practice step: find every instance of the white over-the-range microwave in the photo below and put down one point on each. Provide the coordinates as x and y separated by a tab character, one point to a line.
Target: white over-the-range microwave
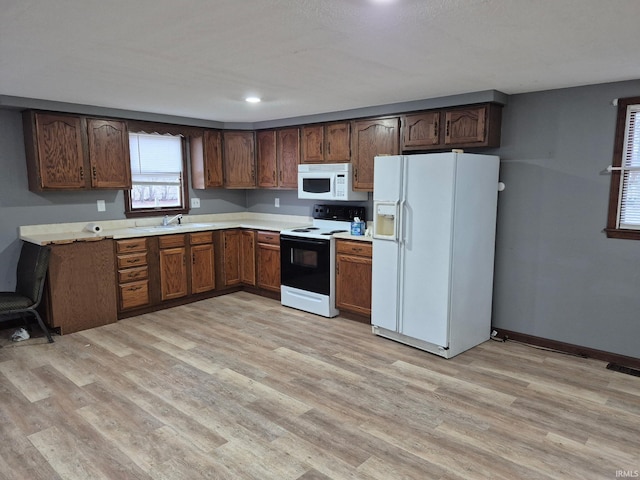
327	181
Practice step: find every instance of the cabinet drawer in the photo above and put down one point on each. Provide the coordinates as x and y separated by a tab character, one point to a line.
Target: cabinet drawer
132	274
354	248
131	245
134	294
132	260
168	241
269	237
200	237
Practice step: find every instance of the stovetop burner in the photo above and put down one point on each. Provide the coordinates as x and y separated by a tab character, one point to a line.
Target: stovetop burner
332	232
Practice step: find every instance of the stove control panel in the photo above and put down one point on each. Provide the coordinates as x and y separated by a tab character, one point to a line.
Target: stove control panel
344	213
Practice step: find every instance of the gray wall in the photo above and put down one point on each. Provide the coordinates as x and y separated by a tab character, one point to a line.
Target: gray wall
557	275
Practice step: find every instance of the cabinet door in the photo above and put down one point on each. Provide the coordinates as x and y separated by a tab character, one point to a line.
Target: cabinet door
368	139
269	266
312	144
81	286
288	157
337	142
353	283
267	159
206	159
202	268
465	127
173	272
248	257
58	160
109	153
231	257
239	160
421	130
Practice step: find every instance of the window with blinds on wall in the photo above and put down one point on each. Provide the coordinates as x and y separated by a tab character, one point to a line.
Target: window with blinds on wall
623	220
629	202
156	172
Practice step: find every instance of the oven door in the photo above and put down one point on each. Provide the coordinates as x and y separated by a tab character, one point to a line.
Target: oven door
305	263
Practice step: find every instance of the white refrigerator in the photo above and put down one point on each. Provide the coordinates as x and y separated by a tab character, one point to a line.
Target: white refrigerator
433	249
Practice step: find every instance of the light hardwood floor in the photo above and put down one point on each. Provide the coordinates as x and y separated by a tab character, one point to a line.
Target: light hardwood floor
239	387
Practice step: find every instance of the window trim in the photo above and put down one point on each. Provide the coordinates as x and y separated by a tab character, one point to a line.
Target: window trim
161	211
612	229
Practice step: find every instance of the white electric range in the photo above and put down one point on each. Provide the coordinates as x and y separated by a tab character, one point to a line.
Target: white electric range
307	259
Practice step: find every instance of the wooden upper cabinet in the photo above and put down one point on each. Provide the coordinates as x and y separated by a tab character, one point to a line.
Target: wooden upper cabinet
312	144
206	160
239	159
69	152
288	148
267	159
278	158
326	143
337	146
370	138
420	130
109	153
55	156
461	127
465	126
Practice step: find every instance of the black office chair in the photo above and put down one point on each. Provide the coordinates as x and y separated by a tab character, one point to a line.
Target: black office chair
32	270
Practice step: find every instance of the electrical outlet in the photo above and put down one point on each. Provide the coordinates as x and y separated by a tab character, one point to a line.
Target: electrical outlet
195	203
277	202
101	206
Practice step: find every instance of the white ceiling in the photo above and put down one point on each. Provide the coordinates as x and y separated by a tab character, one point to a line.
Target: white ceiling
201	58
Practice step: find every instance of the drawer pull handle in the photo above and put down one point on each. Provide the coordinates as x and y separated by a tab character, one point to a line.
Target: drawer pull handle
133	260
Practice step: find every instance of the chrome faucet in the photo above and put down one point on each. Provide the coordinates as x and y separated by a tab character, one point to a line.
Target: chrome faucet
166	221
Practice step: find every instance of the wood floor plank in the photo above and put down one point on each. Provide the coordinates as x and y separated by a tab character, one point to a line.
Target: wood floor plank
239	387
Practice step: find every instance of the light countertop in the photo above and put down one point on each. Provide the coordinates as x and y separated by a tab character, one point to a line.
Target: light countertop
60	233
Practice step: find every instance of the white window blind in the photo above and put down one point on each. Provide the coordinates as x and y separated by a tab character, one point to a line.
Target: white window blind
156	171
155	159
629	203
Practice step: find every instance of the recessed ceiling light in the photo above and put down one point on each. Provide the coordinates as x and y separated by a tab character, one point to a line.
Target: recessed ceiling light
253	99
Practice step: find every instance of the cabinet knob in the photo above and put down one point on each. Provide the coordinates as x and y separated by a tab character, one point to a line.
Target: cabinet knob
81	173
95	173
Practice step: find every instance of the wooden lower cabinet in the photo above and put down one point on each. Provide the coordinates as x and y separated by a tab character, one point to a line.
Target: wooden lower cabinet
80	292
268	260
203	278
173	267
353	276
133	273
248	257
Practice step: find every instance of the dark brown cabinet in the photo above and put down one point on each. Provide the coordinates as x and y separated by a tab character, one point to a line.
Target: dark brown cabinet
278	153
70	152
353	276
203	278
248	257
173	267
268	260
80	290
230	257
421	130
206	160
326	143
370	138
461	127
133	273
239	162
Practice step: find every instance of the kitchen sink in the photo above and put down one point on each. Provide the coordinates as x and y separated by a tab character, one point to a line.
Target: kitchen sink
174	227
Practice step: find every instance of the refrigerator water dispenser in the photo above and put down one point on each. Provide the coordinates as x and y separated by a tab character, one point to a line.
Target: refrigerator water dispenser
386	216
